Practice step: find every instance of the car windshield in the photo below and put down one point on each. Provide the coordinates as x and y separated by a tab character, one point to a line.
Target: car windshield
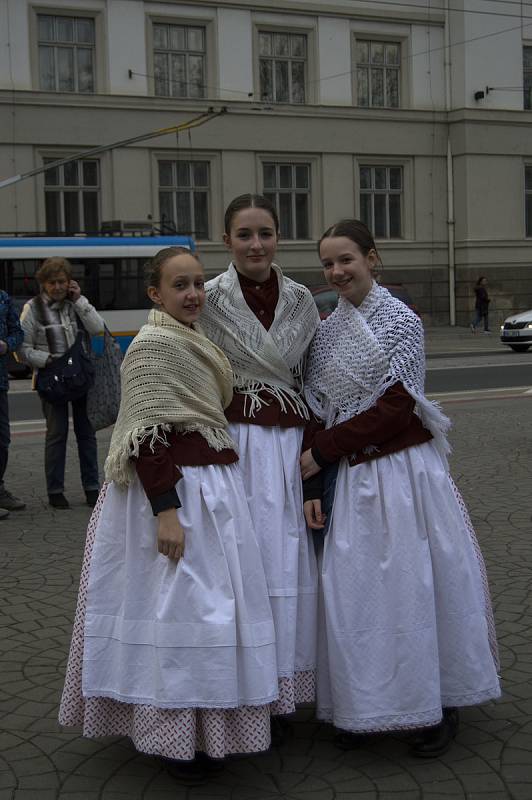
326	301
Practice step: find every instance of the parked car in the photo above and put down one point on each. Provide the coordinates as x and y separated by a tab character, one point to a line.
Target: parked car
326	298
517	331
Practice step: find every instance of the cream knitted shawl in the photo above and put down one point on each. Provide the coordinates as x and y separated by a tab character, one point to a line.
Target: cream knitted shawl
271	361
172	376
358	353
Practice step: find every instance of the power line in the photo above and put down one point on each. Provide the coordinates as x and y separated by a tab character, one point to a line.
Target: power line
404	58
472	11
207	116
194	84
432	49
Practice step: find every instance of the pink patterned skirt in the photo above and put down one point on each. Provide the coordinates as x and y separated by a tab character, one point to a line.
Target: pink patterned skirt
176	733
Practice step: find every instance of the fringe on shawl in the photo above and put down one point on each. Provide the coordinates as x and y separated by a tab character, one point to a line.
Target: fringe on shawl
119	466
433	418
253	401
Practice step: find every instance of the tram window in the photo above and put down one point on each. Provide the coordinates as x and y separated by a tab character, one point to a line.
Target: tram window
17	277
110	284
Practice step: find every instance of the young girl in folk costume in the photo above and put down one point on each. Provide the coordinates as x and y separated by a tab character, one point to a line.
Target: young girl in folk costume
173	642
408	629
264	323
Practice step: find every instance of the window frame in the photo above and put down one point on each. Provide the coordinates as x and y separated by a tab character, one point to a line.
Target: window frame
214	189
297	30
527	196
314	207
527	45
384	37
407	199
100	55
79	188
206	22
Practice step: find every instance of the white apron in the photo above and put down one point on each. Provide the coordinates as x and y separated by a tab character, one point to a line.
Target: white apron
405	629
198	633
269	461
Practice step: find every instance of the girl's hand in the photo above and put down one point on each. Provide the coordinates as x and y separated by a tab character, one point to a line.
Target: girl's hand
315	519
170	534
308	465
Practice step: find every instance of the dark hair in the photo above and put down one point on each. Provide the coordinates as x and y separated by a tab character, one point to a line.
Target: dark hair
53	267
154	267
482	278
249	201
353	229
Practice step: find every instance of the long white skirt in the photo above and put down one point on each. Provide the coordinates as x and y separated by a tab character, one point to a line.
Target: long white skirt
405	627
180	657
269	461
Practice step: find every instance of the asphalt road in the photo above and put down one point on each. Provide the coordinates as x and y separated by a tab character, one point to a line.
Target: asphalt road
475	373
445	374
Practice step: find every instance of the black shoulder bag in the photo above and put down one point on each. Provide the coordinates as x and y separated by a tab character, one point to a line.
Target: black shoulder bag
68	377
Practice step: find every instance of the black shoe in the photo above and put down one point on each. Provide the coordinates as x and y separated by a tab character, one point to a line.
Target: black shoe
10	502
280	730
212	765
436	741
92	496
190	773
58	500
346	740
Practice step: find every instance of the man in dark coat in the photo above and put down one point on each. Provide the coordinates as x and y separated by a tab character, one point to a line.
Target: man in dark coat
11	336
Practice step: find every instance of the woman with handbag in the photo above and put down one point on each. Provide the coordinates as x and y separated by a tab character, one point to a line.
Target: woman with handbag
51	323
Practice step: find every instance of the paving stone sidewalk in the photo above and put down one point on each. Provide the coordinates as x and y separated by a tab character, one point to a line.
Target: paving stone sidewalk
40	560
444	340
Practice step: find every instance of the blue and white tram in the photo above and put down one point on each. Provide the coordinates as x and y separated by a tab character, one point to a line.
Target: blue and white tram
109	269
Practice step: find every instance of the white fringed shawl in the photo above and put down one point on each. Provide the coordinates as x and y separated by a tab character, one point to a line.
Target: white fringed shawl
358	353
273	360
172	376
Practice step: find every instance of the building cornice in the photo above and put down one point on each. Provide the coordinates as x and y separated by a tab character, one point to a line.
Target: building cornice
139	103
323	9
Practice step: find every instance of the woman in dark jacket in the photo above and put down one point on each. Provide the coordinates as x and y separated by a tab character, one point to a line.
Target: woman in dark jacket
482	302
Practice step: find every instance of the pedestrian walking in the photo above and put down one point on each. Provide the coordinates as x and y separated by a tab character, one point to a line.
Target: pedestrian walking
264	322
11	336
173	643
482	303
407	634
51	323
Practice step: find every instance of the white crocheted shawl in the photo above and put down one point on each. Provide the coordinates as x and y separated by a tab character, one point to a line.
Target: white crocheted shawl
172	376
263	361
358	352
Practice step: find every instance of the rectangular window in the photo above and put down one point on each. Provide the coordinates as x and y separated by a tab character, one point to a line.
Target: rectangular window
184	197
527	77
179	60
282	67
288	188
67	55
381	193
378	73
528	200
72	197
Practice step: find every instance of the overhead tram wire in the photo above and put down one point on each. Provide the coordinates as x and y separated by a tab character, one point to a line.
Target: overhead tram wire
392	7
207	116
434	49
202	119
404	58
